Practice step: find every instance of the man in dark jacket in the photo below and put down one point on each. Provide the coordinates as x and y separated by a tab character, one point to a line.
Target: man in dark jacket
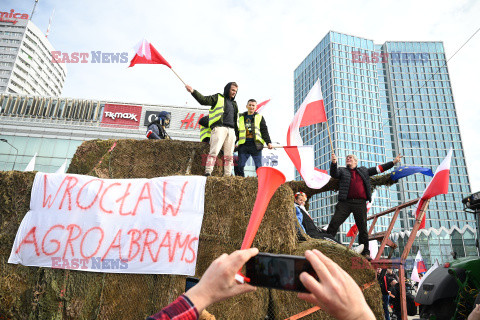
222	120
156	128
252	135
354	190
384	285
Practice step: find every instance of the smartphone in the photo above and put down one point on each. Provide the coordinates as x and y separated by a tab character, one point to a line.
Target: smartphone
278	271
190	282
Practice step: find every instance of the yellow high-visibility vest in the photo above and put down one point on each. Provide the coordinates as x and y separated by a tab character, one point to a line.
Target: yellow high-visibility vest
242	132
205	133
216	113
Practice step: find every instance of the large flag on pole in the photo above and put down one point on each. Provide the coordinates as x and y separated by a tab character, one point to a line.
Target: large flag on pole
311	111
304	161
438	185
145	53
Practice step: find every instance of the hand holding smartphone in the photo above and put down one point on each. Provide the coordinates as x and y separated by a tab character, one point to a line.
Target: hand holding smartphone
278	271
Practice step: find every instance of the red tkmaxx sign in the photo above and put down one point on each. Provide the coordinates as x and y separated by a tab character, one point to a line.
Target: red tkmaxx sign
121	116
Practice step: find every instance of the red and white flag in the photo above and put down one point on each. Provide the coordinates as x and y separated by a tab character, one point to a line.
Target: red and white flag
418	267
438	185
303	159
147	54
261	106
311	111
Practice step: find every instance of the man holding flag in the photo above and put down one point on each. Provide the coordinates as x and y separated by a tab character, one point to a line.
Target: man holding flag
222	120
354	191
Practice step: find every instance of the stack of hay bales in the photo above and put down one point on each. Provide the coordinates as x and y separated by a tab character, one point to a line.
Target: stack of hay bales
44	293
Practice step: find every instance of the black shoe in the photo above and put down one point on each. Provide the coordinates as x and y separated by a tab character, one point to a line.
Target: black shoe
367	256
207	174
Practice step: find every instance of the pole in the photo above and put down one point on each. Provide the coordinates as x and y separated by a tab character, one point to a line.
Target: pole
178	77
330	138
33	10
16	150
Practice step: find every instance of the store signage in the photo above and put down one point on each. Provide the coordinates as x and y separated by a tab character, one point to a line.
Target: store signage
12	16
121	116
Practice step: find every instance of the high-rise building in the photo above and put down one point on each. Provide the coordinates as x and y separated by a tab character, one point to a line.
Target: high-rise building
26	64
381	101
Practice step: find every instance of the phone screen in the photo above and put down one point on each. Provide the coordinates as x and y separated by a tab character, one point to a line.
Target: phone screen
190	282
278	271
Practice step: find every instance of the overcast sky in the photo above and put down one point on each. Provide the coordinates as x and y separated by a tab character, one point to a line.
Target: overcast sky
258	44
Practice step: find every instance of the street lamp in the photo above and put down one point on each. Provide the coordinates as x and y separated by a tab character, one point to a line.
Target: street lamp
15	160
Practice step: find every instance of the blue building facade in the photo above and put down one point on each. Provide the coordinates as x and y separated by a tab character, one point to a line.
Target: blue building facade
381	101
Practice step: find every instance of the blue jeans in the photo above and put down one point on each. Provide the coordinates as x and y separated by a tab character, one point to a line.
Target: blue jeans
386	301
244	152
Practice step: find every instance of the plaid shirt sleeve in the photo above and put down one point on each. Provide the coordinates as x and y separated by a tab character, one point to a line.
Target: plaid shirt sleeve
180	309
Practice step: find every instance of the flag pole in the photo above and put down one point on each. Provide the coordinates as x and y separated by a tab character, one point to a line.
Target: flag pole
178	76
330	137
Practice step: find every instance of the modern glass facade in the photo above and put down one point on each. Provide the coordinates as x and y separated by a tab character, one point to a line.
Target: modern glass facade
384	100
438	244
53	128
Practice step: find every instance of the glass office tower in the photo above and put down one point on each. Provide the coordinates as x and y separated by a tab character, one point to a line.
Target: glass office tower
384	100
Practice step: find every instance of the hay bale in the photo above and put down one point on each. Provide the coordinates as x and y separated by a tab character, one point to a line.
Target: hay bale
44	293
141	159
88	154
286	303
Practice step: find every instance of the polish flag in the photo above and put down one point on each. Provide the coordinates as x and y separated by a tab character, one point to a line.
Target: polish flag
260	107
311	111
438	185
354	229
303	160
147	54
418	267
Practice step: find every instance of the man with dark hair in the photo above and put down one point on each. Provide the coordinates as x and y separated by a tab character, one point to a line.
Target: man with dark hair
156	128
354	190
252	135
222	121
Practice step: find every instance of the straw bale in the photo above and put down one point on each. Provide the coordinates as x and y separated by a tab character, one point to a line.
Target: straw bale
44	293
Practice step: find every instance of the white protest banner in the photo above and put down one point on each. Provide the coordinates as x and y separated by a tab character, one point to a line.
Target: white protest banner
112	225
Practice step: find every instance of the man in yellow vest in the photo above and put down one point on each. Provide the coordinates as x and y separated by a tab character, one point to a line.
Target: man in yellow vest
205	131
252	135
222	120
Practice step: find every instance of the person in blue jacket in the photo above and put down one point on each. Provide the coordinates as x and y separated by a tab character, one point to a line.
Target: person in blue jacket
156	128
